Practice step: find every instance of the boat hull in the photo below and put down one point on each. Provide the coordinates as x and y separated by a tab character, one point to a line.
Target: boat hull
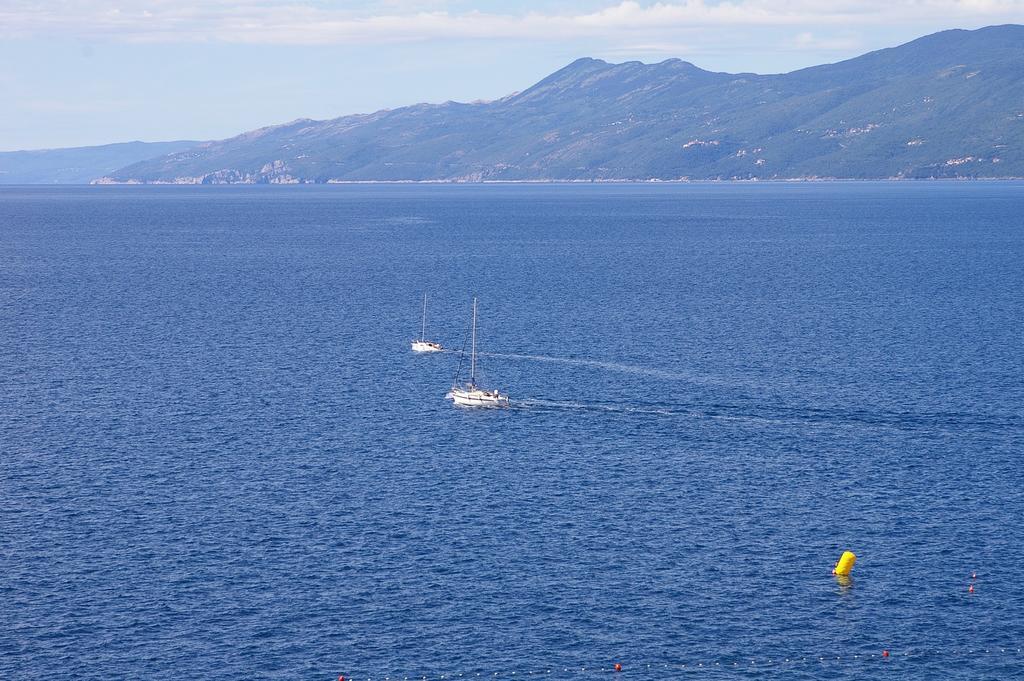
426	346
478	398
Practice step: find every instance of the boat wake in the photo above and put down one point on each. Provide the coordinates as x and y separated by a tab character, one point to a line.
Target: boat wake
655	410
804	415
608	366
599	407
954	423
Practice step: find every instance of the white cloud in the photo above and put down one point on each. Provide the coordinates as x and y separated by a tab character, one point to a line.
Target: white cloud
285	22
809	41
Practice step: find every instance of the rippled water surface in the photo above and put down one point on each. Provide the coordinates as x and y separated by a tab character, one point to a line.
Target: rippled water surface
220	460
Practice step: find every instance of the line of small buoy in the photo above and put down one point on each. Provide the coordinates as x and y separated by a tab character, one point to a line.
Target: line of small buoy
884	655
842	569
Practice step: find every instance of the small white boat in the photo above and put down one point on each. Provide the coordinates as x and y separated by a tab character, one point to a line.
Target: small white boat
426	346
470	394
423	345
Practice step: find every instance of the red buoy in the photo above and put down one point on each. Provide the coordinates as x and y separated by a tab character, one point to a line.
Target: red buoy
618	667
341	677
970	589
885	653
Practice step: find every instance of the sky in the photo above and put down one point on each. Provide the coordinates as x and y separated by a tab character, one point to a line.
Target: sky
86	72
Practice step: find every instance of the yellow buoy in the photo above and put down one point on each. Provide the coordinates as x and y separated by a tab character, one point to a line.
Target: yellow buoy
845	563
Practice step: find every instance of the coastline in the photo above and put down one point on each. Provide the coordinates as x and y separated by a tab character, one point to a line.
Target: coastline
623	181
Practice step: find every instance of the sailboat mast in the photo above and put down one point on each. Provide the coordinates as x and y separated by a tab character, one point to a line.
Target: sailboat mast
423	331
472	356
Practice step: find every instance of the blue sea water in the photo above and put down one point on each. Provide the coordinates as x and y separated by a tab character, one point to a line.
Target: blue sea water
220	460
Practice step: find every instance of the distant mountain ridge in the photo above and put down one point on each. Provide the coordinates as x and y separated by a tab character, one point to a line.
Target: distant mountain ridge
949	104
79	165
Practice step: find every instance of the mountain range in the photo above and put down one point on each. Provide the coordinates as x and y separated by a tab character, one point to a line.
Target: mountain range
946	105
79	165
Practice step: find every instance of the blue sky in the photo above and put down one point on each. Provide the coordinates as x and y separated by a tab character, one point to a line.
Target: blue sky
79	72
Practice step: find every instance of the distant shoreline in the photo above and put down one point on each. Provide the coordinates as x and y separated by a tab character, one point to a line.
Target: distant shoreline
780	180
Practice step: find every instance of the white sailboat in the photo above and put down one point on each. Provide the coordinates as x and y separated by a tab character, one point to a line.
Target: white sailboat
423	345
470	394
